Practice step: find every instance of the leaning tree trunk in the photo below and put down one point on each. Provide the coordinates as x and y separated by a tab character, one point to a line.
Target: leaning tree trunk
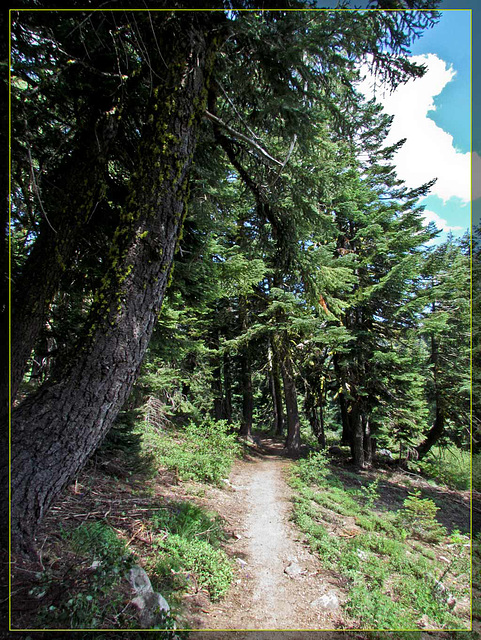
433	435
437	430
57	429
74	193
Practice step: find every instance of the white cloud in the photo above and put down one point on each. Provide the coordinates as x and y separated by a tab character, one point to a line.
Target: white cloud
441	223
429	151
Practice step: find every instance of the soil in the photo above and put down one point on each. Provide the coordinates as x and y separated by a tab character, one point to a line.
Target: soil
255	504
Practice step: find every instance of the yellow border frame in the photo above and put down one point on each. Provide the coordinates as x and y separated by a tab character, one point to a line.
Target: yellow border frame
337	630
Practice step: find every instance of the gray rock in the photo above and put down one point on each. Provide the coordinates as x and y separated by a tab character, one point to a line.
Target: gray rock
293	570
139	580
152	609
385	453
327	601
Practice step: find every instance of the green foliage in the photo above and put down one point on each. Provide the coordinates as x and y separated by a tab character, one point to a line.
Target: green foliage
391	581
89	603
313	469
450	467
203	452
187	540
211	566
419	517
371	493
99	540
188	521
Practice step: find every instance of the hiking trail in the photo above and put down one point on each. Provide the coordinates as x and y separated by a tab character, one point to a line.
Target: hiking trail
279	584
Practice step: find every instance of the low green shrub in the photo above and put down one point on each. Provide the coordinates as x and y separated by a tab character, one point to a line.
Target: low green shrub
99	540
313	469
209	567
419	517
450	467
203	452
188	520
87	603
187	541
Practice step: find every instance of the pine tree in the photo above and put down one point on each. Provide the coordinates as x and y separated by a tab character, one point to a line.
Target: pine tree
446	329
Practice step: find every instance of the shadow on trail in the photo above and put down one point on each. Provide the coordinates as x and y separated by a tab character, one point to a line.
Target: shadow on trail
260	445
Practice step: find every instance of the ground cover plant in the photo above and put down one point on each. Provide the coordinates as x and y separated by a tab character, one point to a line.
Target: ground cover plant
199	451
402	568
113	518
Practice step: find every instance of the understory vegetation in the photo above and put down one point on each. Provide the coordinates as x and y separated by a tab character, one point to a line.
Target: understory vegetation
402	568
127	522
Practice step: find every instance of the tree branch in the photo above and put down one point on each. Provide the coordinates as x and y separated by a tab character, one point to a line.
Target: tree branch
240	136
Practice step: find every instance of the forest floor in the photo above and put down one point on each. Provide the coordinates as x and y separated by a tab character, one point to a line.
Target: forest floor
278	583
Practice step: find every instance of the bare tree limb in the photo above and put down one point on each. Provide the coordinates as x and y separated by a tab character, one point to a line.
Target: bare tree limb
240	136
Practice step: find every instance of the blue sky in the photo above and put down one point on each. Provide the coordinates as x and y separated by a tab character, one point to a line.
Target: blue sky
434	114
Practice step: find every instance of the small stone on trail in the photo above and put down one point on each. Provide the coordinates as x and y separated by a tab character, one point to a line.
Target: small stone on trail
293	570
242	563
327	601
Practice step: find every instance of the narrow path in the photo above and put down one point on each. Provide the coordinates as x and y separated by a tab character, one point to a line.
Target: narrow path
279	583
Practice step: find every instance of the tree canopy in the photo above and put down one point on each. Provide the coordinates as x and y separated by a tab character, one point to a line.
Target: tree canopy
205	199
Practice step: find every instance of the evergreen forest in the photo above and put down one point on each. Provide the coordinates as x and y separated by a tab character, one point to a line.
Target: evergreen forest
211	254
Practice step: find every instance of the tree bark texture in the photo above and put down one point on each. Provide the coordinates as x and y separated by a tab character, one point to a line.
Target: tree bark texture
247	395
74	193
357	436
57	429
434	434
276	391
437	430
293	441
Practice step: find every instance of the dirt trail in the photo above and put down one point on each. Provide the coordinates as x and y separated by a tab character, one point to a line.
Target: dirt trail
265	544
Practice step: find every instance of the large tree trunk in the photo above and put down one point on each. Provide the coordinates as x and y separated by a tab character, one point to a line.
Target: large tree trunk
74	193
276	391
293	441
4	280
57	429
247	396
